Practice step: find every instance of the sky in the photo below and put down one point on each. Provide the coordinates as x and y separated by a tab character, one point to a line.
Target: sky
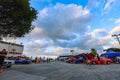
79	25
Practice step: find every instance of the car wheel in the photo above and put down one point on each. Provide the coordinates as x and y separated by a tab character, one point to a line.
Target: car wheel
93	63
108	62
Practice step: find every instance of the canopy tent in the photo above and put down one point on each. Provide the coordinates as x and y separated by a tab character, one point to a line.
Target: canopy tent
111	54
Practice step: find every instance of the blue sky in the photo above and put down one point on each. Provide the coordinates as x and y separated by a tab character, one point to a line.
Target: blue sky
40	4
80	25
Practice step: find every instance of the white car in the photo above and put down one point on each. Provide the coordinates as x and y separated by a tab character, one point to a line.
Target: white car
8	63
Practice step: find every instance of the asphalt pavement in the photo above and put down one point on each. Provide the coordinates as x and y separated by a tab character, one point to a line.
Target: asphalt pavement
61	71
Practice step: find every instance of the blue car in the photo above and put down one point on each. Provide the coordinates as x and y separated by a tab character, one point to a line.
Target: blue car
22	61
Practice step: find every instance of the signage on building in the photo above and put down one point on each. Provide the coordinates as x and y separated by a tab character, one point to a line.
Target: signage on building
12	48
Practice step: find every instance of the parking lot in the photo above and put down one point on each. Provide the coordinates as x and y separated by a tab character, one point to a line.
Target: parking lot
61	71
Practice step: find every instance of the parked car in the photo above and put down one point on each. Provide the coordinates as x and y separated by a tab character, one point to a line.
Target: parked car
117	60
22	61
8	63
102	60
78	60
71	59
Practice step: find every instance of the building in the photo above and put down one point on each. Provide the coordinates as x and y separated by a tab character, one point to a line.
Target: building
12	49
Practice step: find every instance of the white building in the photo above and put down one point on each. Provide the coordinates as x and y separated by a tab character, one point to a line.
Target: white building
12	49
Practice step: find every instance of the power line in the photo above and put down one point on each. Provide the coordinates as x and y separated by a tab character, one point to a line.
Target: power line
117	37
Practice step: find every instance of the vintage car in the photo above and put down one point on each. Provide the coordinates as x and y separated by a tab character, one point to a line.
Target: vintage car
71	59
22	61
117	60
78	60
103	60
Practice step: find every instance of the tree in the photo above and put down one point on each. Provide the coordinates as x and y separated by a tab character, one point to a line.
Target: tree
16	17
113	49
94	52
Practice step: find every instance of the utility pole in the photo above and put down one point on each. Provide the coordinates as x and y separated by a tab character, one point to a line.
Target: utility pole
117	37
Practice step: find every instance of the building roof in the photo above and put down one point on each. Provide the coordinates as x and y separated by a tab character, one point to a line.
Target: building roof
8	43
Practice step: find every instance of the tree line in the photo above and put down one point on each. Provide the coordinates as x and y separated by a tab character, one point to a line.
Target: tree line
113	49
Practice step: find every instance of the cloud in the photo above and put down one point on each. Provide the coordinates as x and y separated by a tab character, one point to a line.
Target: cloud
81	44
61	28
108	4
59	21
115	44
117	21
115	30
84	42
99	33
54	26
35	33
92	4
36	44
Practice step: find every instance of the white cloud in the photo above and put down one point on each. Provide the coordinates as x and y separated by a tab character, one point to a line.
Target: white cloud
117	21
39	42
92	4
99	32
61	28
108	4
36	44
35	34
115	44
59	50
59	21
82	44
115	30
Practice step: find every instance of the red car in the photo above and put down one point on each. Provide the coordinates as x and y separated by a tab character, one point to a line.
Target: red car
102	60
71	59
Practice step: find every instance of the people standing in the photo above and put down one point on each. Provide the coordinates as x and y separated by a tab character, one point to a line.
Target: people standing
37	60
2	57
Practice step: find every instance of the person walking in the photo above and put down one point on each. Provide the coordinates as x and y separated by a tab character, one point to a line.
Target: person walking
2	57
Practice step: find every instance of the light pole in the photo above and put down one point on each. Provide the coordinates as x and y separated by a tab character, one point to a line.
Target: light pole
117	37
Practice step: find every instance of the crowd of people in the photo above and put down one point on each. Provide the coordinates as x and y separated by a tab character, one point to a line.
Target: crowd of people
42	60
82	58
